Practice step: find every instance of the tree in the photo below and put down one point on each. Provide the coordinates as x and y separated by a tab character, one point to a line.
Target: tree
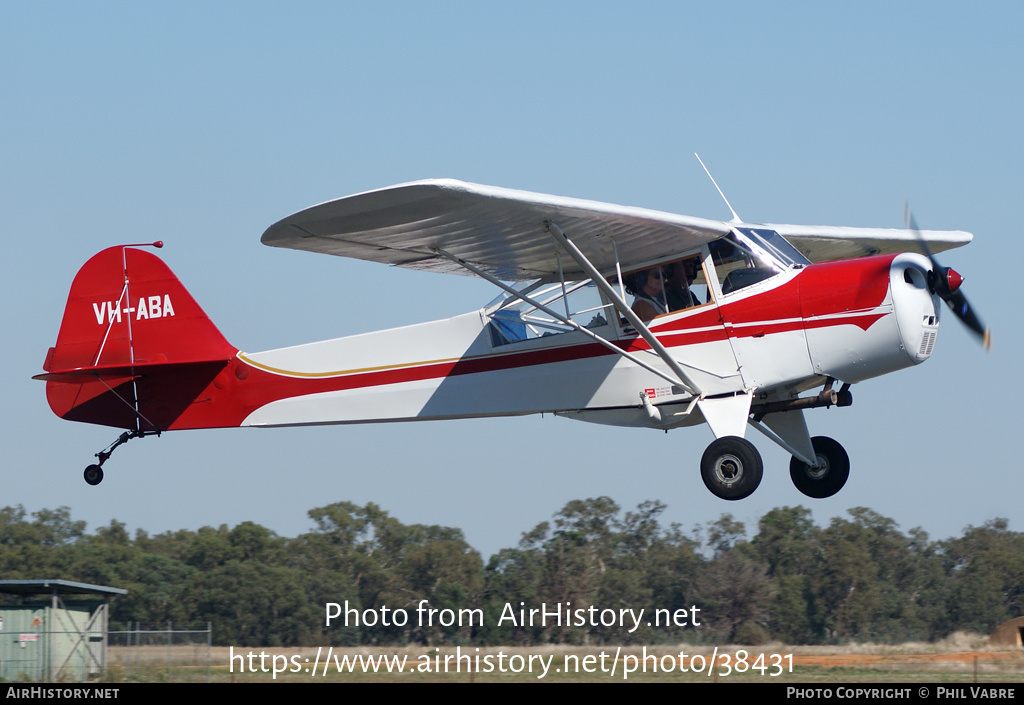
397	566
788	542
986	568
734	587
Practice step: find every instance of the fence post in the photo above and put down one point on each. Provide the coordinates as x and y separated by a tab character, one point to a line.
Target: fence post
209	648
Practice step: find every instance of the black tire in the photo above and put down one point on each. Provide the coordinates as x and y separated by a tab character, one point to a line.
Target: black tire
731	468
94	474
826	480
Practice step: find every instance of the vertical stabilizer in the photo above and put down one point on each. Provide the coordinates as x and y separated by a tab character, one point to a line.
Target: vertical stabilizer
134	348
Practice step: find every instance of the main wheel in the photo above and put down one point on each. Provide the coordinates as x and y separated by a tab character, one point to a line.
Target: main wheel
829	476
94	474
731	467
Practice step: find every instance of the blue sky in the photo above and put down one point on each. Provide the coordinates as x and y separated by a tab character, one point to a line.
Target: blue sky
202	124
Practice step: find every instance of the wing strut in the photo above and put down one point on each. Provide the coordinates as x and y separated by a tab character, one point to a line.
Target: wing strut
561	319
620	305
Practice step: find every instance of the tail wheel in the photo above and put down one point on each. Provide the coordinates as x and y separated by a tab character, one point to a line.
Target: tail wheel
828	476
731	467
94	474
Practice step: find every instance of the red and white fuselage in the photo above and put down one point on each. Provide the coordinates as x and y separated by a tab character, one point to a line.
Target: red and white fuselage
848	320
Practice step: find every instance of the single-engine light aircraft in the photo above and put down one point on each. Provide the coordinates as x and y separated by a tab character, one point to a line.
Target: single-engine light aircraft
608	314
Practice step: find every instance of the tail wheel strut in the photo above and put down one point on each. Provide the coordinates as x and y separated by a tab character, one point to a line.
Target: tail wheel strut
94	473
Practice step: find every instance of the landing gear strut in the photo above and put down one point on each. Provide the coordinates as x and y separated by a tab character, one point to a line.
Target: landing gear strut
731	467
828	476
94	473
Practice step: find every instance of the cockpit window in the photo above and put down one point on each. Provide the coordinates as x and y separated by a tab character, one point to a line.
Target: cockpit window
554	308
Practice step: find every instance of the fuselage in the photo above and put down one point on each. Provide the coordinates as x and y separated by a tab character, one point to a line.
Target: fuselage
849	320
777	336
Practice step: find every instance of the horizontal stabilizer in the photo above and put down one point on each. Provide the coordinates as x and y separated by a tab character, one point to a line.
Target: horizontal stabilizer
78	375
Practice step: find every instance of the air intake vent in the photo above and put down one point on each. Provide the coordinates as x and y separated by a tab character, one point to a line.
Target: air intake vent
927	343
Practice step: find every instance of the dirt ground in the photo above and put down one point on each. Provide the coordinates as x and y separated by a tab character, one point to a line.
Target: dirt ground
960	657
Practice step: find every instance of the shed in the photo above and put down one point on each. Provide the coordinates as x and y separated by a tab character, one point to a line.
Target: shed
57	632
1009	633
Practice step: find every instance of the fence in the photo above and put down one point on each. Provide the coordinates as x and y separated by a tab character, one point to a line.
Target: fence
150	652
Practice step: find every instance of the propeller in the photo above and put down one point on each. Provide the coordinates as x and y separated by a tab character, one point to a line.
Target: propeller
945	283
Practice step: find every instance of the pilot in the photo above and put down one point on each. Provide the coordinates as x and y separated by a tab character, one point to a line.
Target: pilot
677	285
648	292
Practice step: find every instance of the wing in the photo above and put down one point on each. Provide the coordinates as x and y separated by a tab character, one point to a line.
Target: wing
501	231
822	243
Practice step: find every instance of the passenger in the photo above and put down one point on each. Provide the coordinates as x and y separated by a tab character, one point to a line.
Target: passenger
677	287
648	290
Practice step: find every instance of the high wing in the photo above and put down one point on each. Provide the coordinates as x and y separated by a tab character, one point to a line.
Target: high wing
503	232
500	231
823	243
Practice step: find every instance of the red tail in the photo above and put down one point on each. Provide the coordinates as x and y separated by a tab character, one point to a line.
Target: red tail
134	350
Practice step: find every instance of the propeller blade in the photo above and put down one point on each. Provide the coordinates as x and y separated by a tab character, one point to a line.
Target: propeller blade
958	304
939	280
912	225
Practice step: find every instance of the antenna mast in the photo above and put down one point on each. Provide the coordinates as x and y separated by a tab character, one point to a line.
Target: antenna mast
735	218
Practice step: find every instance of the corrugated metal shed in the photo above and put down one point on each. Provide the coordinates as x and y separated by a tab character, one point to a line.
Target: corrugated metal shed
55	638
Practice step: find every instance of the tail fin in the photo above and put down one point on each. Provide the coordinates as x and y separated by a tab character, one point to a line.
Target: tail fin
134	348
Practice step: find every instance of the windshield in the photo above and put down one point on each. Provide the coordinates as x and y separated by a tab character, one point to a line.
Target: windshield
750	255
769	245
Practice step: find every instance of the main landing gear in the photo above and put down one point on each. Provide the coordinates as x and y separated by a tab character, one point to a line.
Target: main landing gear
732	468
94	473
828	476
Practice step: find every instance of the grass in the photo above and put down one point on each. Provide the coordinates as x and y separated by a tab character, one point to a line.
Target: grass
959	659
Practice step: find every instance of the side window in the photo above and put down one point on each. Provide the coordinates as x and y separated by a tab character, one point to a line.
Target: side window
514	320
668	287
686	283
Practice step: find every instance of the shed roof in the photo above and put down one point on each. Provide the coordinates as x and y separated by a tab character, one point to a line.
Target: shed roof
60	587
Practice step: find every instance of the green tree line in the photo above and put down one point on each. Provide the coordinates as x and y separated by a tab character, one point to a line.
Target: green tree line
858	579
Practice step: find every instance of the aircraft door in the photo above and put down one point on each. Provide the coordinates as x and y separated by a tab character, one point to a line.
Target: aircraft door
714	282
696	339
760	311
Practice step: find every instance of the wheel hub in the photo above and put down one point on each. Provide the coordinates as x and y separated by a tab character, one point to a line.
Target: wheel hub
816	472
729	469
